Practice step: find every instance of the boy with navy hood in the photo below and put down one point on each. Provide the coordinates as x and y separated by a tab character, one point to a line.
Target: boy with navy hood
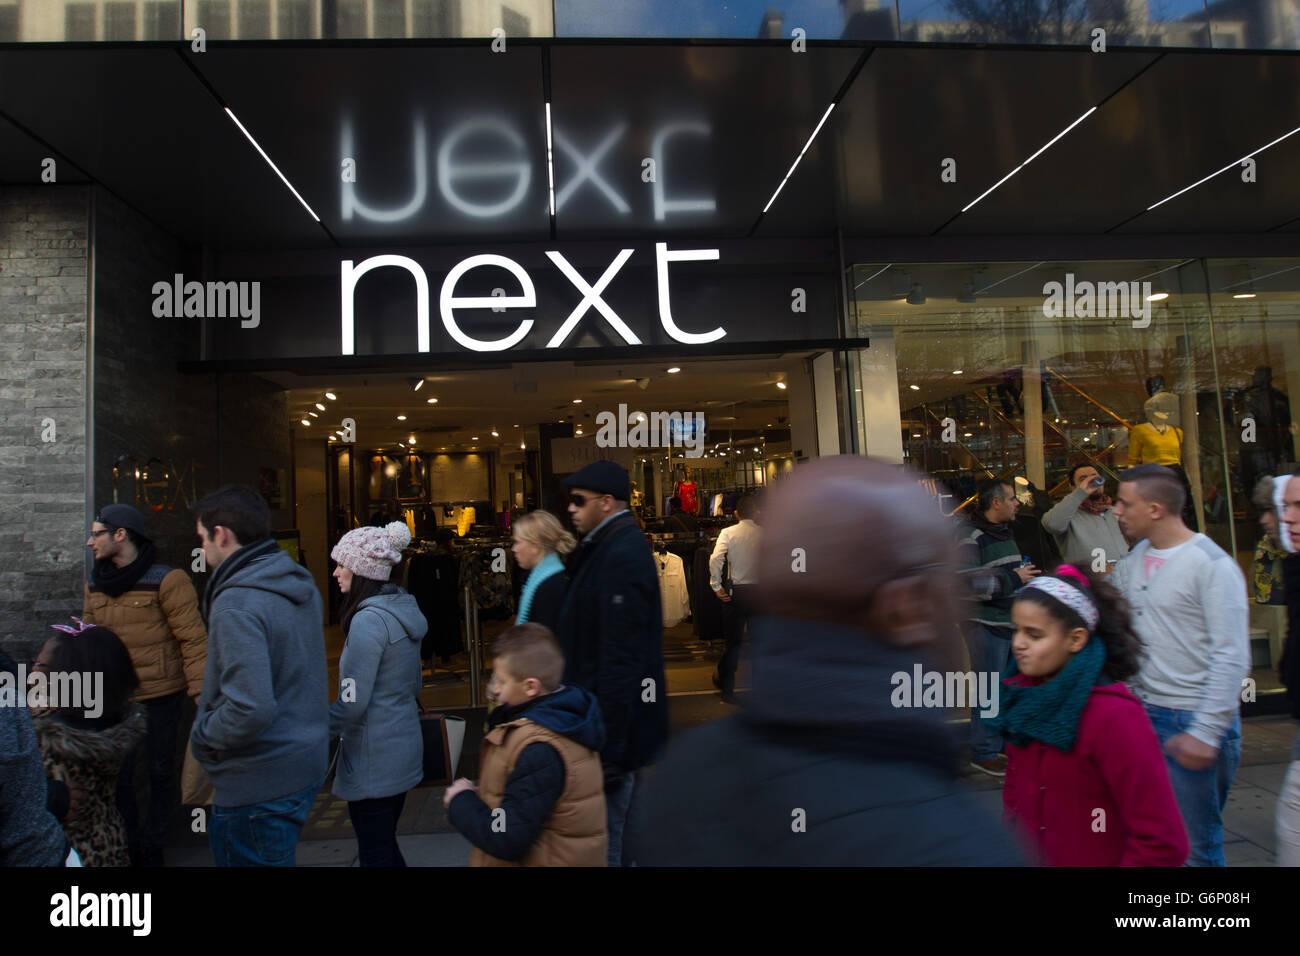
541	797
262	727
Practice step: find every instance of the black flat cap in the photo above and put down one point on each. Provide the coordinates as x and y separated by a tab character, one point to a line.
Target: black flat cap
122	516
603	476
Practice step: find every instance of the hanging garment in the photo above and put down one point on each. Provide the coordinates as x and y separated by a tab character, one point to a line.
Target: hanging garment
465	520
673	593
434	581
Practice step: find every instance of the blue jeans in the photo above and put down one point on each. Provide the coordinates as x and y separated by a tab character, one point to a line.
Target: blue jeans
260	834
990	650
1201	794
618	799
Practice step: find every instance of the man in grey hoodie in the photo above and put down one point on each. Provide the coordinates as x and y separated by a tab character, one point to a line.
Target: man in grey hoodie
1085	524
262	727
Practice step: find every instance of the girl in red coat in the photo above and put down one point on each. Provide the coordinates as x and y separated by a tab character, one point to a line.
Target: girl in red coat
1086	782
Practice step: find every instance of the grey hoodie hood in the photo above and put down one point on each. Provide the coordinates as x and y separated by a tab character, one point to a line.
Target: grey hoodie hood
262	566
400	613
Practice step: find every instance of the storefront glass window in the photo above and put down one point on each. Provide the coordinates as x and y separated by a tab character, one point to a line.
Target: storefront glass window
1026	369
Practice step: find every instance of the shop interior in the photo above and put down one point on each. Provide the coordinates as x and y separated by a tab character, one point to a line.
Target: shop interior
456	454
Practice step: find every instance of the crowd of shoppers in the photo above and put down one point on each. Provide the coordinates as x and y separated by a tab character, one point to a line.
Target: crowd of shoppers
1117	678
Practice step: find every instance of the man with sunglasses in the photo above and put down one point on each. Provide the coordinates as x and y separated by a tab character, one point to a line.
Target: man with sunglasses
611	631
154	610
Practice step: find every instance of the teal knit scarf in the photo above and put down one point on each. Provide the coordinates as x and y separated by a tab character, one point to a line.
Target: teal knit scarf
549	565
1049	712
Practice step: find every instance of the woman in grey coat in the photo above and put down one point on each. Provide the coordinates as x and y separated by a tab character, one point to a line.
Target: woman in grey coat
381	751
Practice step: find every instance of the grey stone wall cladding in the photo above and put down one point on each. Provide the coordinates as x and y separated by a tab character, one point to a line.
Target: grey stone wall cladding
43	324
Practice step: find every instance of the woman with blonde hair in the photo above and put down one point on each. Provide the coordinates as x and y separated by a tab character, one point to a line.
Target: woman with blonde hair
539	542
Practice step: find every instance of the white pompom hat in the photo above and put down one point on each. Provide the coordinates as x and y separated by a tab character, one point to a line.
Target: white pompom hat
372	552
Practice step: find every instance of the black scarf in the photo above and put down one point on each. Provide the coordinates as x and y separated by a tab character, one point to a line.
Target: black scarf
115	581
245	555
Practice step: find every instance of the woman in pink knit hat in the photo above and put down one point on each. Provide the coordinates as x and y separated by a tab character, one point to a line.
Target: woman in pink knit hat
381	751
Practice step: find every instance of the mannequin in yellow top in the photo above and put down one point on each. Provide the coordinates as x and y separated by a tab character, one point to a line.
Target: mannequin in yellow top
1158	440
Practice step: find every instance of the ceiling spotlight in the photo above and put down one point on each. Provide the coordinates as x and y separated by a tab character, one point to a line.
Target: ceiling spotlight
431	401
915	388
320	406
473	438
334	437
1157	296
514	426
401	418
416	383
411	440
313	415
495	433
307	422
331	396
956	371
781	385
917	295
966	435
577	431
577	401
674	370
521	444
1244	295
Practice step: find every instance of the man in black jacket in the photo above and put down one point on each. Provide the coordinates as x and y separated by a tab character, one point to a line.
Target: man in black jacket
829	765
611	632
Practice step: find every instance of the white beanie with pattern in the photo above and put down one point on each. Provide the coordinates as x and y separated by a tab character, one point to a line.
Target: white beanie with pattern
372	552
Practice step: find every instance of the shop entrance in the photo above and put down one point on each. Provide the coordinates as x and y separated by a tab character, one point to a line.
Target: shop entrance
458	454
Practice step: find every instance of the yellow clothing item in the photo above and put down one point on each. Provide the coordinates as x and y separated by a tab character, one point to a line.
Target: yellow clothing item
1147	446
464	521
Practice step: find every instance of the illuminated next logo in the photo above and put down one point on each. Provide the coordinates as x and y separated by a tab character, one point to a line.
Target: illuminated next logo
448	301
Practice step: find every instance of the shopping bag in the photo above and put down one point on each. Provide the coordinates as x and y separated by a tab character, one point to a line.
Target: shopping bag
444	738
196	787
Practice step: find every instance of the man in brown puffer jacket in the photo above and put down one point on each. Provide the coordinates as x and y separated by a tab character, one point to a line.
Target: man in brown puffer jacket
154	609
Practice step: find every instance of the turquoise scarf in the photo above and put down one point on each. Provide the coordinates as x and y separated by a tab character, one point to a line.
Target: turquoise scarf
1049	712
548	566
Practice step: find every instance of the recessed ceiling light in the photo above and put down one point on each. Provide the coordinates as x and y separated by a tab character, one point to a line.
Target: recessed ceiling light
313	415
401	418
781	385
495	433
966	435
578	431
516	426
1157	296
473	438
331	396
411	440
320	406
307	422
674	370
1244	295
334	437
521	444
432	401
956	371
915	388
577	401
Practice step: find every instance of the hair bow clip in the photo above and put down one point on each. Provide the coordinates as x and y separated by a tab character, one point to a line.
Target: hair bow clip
81	626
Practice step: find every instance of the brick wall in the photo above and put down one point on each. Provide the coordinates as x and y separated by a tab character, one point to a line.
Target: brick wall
43	321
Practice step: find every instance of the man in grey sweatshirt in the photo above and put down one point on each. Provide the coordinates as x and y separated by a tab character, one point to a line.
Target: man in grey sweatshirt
1188	598
1085	524
262	727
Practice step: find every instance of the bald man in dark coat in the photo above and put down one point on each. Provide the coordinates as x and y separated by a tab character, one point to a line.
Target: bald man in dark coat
855	585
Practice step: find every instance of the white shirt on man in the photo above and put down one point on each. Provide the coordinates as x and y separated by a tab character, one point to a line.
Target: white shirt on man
739	544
